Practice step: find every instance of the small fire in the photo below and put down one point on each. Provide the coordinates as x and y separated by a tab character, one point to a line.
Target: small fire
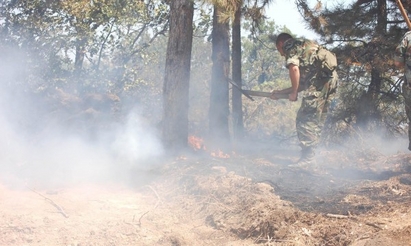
220	154
198	144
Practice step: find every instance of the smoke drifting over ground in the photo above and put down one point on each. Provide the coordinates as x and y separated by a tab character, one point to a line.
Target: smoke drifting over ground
48	143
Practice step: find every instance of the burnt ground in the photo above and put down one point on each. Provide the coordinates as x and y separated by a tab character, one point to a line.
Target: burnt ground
353	197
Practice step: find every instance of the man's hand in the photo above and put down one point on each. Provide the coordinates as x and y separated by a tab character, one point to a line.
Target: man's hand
293	96
399	64
274	97
273	94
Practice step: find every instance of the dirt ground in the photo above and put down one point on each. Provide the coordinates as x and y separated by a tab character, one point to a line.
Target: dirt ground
248	198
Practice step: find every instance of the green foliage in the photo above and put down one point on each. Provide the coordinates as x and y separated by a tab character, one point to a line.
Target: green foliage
124	46
261	61
121	61
203	21
109	34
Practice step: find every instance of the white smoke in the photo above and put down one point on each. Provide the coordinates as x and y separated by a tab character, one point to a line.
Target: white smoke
32	152
136	141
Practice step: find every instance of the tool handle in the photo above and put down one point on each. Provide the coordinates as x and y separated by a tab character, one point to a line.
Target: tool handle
404	14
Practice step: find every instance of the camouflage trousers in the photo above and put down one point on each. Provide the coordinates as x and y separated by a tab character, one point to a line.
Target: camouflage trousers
314	108
406	92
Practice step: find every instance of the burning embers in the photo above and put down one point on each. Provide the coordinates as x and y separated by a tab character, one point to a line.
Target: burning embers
198	145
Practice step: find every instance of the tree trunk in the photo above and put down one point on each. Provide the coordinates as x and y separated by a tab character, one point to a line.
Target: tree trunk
219	99
237	110
382	17
80	51
177	75
368	116
78	78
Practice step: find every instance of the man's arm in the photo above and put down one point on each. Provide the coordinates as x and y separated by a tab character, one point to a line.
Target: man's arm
294	72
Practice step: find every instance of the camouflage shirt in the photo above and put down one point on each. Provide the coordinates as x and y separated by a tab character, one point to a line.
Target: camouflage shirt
403	54
302	53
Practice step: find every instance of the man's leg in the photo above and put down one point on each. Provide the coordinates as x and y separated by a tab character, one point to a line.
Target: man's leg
308	128
312	115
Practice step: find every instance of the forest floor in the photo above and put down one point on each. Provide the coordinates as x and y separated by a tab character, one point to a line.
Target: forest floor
350	198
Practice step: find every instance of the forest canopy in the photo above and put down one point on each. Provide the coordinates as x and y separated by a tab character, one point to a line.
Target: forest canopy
67	57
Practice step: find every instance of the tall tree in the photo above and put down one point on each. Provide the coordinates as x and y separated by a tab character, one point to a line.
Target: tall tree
224	12
368	103
177	75
261	62
236	101
219	94
253	12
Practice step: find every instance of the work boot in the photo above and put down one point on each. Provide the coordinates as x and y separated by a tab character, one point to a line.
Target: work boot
306	160
307	153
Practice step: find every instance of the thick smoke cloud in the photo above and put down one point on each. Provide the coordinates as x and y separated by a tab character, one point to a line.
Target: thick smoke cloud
39	149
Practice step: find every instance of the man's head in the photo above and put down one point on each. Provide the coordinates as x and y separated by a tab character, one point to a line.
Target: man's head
281	38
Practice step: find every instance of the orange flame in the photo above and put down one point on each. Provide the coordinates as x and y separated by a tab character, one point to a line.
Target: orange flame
220	154
198	144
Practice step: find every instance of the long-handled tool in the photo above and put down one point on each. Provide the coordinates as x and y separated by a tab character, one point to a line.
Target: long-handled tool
241	90
265	94
249	93
404	14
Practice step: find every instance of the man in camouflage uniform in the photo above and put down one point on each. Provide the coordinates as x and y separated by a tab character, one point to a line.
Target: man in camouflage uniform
312	69
402	59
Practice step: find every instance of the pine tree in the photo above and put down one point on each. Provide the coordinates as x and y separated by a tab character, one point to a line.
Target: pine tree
363	35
